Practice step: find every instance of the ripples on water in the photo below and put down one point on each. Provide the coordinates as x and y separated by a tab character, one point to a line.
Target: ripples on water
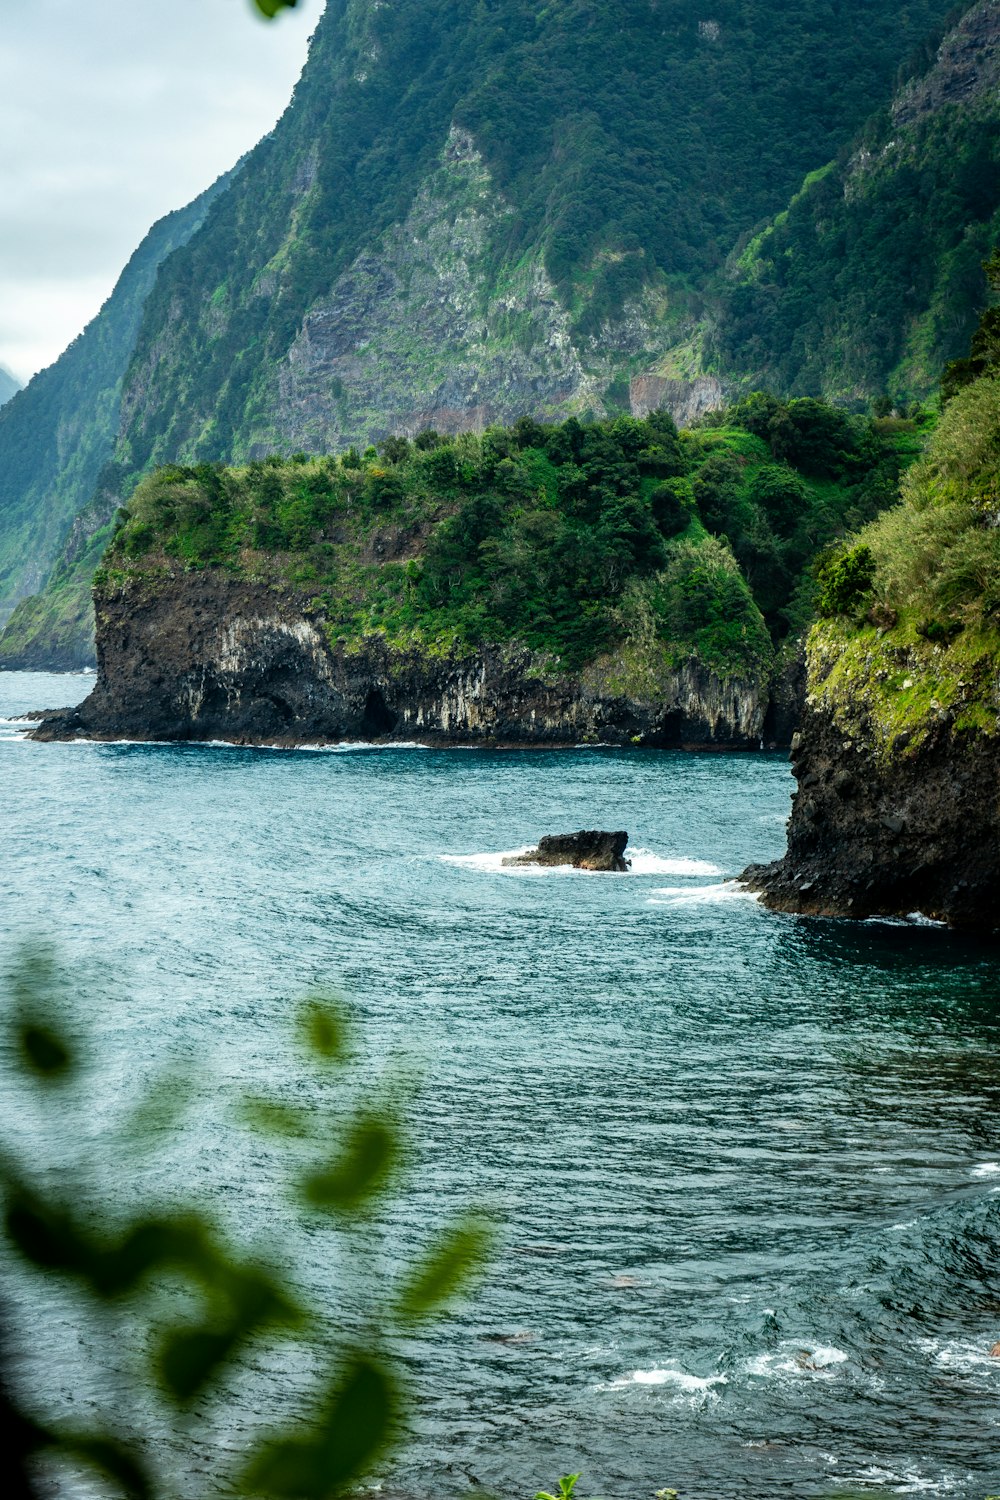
748	1166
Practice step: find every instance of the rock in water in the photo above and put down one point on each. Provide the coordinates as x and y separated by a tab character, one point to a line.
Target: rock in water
590	849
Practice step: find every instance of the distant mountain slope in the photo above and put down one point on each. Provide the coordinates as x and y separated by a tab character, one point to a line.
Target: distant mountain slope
9	385
58	433
471	212
871	279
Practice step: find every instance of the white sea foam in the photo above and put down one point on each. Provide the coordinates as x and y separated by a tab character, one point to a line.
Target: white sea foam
912	919
699	895
800	1360
970	1356
986	1169
494	862
905	1483
346	747
690	1387
645	862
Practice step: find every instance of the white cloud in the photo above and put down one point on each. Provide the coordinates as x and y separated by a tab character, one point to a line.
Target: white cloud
113	113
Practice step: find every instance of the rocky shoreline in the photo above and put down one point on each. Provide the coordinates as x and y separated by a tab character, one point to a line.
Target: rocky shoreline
204	656
917	831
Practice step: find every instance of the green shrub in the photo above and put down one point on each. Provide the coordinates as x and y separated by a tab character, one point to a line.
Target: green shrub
845	579
672	506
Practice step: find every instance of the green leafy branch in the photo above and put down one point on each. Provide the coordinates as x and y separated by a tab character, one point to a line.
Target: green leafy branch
340	1168
270	8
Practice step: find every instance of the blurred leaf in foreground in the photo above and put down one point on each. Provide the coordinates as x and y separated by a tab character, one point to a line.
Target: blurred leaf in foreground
270	8
450	1263
198	1305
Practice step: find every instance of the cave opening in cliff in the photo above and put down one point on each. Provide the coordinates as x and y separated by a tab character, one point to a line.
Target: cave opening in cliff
378	718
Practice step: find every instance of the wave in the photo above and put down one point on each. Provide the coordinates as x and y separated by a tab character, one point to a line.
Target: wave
797	1360
698	895
910	1483
345	747
912	919
969	1356
643	862
695	1388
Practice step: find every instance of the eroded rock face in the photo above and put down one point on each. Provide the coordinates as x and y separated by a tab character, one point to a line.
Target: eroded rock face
420	332
202	656
890	835
967	66
590	849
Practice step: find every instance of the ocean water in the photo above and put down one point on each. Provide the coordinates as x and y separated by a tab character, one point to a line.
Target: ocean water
746	1168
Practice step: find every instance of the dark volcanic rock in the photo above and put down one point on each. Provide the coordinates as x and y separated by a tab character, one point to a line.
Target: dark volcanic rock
875	834
590	849
787	700
203	656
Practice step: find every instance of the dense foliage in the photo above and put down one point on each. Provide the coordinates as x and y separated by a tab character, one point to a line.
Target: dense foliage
569	538
938	553
633	143
914	600
871	279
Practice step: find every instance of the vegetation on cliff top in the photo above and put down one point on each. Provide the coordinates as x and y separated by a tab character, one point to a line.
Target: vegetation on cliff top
572	539
913	637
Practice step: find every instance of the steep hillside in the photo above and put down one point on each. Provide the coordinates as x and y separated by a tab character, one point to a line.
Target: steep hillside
536	583
898	758
469	214
466	215
871	278
58	433
9	386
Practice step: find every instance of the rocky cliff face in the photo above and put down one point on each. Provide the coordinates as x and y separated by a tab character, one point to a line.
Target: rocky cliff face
967	67
880	829
433	327
203	656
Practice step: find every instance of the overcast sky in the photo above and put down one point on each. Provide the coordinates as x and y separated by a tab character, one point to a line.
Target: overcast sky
115	112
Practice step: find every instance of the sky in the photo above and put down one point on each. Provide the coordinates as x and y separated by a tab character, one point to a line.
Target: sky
114	113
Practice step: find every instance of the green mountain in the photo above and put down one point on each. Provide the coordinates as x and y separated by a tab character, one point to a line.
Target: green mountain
870	279
469	213
9	385
58	433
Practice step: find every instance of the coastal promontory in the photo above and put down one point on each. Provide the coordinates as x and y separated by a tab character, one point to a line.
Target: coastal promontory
610	582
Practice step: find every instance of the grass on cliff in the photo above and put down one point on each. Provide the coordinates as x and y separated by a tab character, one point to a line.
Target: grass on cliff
574	540
921	640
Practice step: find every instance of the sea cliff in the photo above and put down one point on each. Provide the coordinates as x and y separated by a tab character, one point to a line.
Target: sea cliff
613	582
898	753
202	656
897	810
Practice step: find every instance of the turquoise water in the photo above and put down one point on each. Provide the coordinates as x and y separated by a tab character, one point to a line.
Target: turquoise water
747	1166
